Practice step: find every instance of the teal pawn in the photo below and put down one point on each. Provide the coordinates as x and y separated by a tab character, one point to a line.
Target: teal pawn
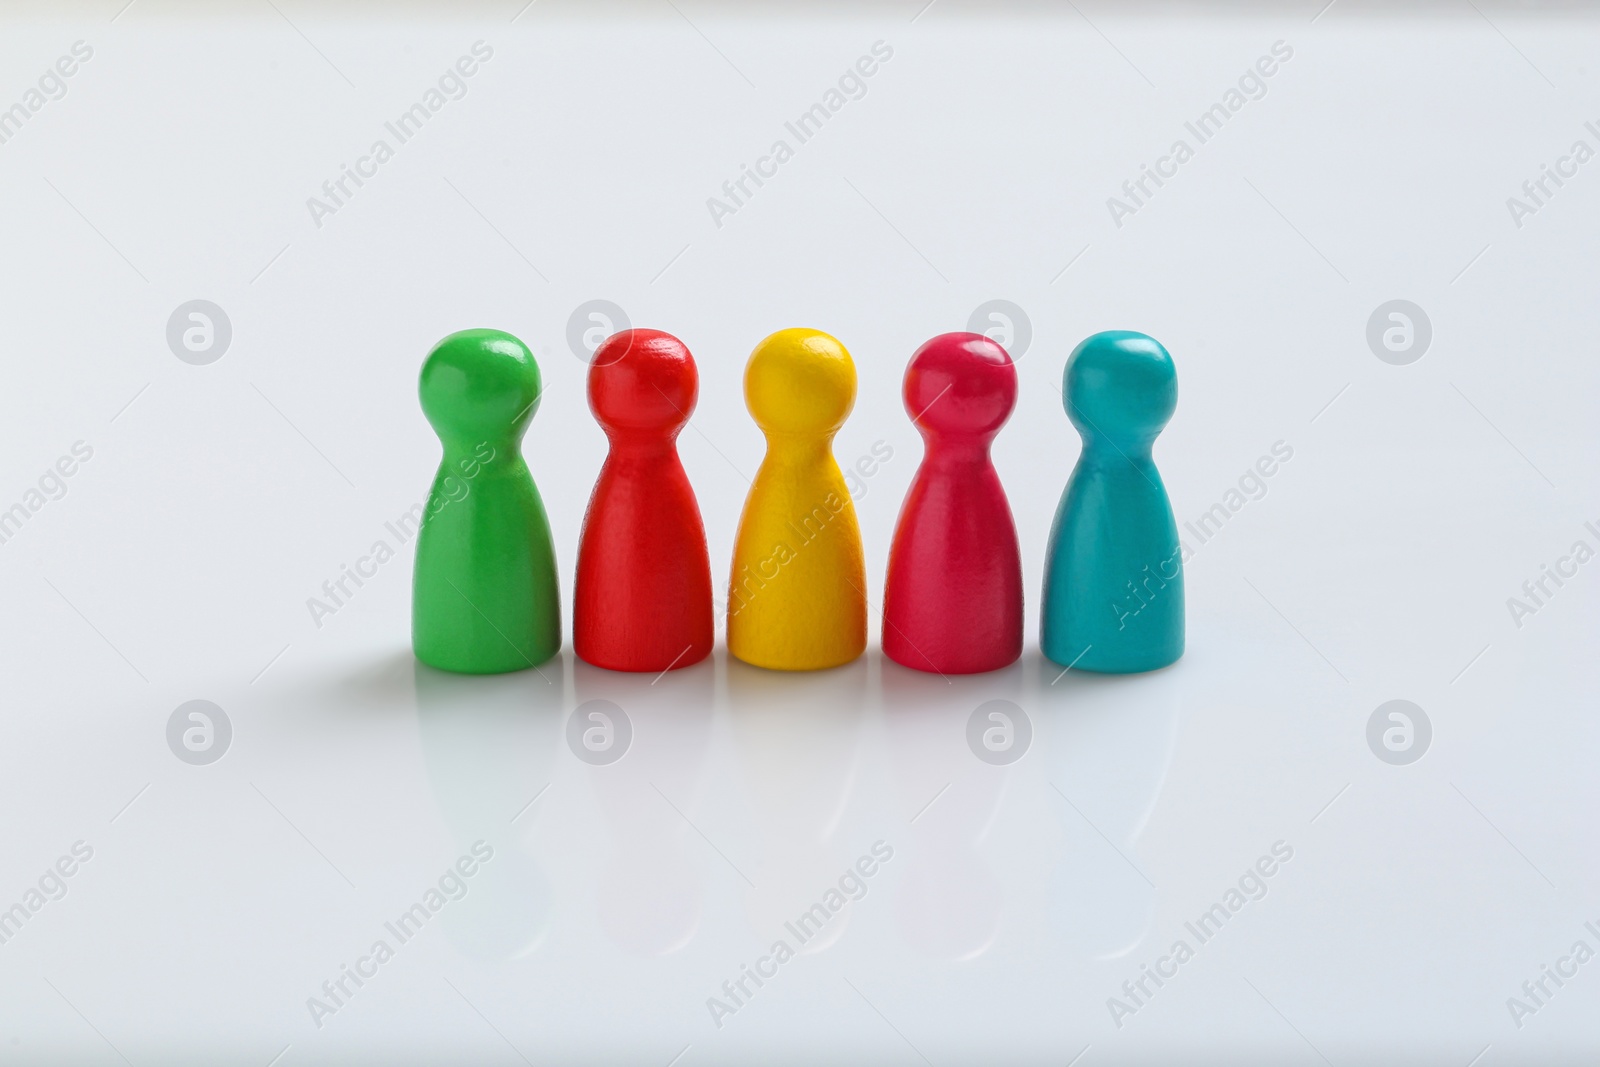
1113	584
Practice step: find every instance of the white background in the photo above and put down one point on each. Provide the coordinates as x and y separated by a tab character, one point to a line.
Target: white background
977	166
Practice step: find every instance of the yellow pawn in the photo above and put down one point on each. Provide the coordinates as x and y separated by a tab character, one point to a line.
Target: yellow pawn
797	600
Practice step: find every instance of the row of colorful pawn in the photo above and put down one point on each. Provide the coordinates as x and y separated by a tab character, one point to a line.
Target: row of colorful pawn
485	593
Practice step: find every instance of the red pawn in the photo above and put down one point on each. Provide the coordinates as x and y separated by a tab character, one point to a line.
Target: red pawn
952	602
643	595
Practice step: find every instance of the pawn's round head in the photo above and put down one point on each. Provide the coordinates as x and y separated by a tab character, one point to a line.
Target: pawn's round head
962	384
800	382
1120	385
642	381
479	385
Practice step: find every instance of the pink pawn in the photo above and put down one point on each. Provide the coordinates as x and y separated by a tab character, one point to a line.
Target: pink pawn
952	603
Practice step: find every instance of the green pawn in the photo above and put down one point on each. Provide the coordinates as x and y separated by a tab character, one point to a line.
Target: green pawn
484	596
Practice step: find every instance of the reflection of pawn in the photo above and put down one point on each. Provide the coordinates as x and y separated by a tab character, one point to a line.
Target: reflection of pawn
484	593
1113	587
1106	745
798	739
649	894
797	599
642	600
489	744
949	902
952	602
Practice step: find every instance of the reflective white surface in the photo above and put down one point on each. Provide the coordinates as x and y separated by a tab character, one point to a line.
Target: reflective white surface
1016	900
